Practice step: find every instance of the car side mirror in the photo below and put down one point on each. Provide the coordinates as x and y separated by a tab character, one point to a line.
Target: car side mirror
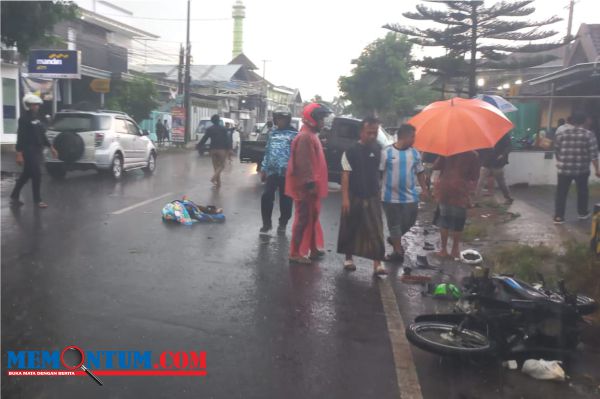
145	132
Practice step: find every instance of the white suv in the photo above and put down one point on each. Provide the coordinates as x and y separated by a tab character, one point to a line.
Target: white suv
108	141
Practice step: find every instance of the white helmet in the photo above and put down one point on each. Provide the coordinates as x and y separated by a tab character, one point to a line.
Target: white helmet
471	257
31	98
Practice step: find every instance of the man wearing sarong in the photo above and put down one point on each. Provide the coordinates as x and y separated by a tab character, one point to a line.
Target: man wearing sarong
361	225
306	183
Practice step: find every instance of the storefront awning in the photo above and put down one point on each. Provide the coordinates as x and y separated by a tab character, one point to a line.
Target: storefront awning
569	77
95	73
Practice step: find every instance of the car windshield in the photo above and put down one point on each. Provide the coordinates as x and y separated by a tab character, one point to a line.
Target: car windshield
80	122
203	125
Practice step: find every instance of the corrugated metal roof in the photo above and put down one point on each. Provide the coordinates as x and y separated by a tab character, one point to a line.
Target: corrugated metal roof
594	30
199	73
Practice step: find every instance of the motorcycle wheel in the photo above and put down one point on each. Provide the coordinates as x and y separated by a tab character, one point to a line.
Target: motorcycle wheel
446	340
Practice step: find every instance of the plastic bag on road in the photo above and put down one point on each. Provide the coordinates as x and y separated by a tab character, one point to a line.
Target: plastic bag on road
544	369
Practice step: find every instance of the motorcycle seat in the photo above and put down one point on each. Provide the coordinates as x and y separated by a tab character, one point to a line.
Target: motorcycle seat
522	304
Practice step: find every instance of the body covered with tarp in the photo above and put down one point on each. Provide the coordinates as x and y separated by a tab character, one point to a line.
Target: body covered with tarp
187	212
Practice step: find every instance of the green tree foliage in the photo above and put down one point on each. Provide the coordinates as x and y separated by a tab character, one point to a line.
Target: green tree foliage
29	23
381	82
137	98
485	35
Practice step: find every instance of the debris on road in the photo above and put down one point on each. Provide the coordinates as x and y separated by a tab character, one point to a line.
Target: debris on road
544	369
510	364
409	278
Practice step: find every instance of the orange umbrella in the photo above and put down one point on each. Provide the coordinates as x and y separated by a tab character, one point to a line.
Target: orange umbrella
459	125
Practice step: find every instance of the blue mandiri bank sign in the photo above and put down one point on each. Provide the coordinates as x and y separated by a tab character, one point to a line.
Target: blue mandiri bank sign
62	64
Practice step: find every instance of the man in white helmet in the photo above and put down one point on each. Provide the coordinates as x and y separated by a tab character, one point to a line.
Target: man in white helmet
31	139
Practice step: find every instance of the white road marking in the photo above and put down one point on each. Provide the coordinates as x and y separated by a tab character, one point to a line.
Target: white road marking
129	208
406	373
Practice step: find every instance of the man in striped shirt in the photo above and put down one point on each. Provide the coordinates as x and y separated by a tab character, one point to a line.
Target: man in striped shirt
402	169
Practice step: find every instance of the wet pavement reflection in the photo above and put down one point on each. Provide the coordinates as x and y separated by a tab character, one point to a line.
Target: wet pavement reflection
77	273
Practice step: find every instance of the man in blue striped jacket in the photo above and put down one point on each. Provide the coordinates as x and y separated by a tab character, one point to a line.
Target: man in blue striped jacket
273	169
402	169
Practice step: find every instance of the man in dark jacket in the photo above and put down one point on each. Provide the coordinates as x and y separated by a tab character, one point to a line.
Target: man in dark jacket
493	161
31	139
220	146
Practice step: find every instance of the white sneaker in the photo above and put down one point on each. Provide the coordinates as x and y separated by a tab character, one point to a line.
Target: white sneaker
584	217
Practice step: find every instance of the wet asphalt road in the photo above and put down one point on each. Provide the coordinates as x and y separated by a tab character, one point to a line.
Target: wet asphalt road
79	274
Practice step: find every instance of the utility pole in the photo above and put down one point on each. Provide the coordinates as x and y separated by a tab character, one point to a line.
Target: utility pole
186	93
265	92
180	70
570	22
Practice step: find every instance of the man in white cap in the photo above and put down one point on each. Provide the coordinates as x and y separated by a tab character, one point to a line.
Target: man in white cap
31	139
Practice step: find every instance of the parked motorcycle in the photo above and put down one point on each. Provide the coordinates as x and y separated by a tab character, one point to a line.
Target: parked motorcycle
500	315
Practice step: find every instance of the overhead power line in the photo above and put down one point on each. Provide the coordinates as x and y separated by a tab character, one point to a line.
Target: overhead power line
170	19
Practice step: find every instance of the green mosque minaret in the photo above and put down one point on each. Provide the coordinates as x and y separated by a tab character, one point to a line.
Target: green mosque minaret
239	12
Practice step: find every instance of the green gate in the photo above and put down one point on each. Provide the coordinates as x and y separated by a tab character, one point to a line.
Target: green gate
526	120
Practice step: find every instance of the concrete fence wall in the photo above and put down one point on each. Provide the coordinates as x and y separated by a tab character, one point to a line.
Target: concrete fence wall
533	168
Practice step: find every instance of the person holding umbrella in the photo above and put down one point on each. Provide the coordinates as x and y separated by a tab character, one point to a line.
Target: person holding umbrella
454	129
458	177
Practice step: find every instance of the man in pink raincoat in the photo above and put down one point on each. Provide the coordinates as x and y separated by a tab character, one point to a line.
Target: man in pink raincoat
306	183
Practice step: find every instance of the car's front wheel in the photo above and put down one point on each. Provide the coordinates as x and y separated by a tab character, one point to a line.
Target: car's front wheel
116	168
151	167
56	170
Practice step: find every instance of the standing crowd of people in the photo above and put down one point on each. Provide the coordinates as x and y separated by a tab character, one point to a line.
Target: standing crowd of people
388	181
375	181
162	131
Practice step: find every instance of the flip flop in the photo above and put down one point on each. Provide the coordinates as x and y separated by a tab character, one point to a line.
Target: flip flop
414	279
300	259
349	265
380	271
16	203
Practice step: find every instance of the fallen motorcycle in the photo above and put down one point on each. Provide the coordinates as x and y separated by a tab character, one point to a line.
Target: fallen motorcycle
507	287
502	316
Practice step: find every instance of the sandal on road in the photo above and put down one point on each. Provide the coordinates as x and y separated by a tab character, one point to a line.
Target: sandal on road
380	271
42	205
349	265
15	203
316	254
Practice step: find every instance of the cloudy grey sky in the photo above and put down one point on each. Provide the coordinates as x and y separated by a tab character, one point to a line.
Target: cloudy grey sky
308	43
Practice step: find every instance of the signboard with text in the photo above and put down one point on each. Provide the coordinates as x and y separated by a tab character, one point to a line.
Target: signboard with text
56	64
100	85
178	125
